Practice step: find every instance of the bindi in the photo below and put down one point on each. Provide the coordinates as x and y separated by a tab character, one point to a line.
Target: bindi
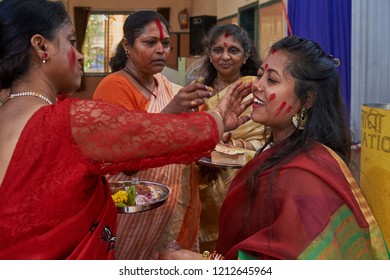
265	66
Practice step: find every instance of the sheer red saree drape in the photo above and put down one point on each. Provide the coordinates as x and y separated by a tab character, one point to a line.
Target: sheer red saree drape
53	202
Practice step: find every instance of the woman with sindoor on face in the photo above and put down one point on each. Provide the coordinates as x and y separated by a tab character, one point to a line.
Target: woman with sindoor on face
297	199
230	56
55	202
136	83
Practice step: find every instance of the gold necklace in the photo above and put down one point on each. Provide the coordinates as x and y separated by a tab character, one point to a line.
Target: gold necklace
30	93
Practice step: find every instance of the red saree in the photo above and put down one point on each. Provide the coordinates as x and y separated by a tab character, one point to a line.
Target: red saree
54	203
314	210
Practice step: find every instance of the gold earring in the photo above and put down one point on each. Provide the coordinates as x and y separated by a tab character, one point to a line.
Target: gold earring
300	119
127	54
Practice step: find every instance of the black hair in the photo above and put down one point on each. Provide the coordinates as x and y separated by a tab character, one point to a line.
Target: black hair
132	29
19	21
241	36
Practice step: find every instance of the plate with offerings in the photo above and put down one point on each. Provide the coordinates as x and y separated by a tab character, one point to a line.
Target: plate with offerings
227	157
137	195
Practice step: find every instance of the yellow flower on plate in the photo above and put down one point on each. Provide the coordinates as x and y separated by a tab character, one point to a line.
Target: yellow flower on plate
120	197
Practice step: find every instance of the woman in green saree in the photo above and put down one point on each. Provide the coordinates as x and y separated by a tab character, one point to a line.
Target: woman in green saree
297	199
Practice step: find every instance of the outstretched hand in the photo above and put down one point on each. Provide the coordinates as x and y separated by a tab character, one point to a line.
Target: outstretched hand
188	99
232	106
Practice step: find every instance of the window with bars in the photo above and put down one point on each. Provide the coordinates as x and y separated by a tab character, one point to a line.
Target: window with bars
104	32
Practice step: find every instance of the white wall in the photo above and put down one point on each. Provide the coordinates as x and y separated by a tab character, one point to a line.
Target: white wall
228	8
204	8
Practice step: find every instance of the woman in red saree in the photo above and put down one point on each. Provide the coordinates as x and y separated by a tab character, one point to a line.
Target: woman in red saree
54	200
297	198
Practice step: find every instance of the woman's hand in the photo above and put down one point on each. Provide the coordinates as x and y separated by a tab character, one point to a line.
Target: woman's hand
232	106
226	138
188	99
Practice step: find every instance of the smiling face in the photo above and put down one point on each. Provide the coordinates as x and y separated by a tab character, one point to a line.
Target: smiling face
227	56
150	50
274	96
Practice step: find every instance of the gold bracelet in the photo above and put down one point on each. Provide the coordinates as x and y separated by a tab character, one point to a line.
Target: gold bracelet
206	255
233	142
243	143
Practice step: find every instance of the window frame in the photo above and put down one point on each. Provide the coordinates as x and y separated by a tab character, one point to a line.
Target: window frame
107	52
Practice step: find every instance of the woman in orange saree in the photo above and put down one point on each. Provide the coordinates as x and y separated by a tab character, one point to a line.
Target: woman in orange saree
136	83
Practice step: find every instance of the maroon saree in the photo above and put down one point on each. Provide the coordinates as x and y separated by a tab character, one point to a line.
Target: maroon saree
311	208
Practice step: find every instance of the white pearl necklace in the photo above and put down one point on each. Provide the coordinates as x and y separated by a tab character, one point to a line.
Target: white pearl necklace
31	93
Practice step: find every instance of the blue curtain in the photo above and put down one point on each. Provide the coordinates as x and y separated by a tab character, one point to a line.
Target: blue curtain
328	22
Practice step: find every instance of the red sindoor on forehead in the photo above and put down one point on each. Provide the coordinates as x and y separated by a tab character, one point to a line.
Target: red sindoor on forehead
227	34
160	28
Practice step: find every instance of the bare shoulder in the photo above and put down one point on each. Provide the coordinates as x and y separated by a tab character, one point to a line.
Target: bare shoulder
14	118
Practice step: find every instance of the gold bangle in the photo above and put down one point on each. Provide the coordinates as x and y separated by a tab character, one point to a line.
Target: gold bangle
243	143
218	114
206	255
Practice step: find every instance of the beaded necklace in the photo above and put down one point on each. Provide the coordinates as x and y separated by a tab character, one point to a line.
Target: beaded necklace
30	93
